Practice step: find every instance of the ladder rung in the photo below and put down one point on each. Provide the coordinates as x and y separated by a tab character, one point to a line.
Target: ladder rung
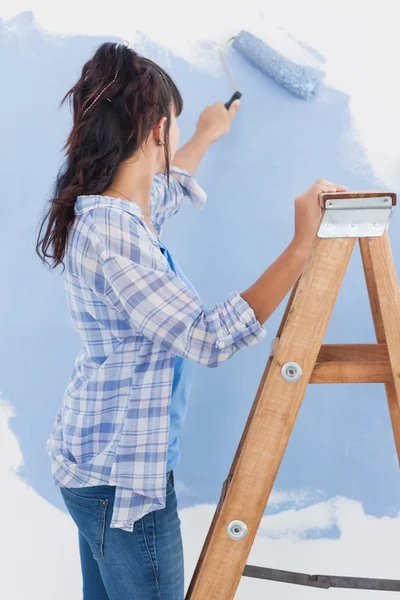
353	352
322	581
352	372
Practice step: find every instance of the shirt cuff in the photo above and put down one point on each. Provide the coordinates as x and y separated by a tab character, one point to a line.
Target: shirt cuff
196	194
240	323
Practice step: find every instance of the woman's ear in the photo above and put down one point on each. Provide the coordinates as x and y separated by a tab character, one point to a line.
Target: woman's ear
158	131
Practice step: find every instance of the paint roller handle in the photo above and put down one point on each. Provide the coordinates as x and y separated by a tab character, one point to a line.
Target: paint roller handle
236	96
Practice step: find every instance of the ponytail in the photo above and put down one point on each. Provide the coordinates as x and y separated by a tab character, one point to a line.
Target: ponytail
118	99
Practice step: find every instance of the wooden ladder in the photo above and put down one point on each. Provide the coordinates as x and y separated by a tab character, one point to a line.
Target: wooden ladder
297	359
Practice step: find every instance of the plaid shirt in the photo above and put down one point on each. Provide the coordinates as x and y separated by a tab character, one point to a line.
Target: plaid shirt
134	315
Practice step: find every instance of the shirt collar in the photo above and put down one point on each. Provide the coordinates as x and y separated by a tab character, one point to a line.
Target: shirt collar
83	203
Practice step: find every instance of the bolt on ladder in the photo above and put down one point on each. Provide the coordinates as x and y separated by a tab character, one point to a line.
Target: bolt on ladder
298	358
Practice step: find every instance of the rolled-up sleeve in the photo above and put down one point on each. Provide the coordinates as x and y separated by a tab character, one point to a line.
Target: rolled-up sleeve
165	201
160	306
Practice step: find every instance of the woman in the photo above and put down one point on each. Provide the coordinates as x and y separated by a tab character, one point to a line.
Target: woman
114	444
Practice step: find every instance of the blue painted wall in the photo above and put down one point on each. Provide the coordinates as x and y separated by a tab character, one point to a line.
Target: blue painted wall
342	442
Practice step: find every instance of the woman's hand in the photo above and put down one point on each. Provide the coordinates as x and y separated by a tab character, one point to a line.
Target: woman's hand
216	120
213	122
308	211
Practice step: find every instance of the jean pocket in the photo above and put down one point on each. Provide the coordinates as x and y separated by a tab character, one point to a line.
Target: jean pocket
170	484
89	515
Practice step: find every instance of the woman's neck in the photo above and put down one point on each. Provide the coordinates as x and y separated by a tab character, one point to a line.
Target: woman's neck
133	182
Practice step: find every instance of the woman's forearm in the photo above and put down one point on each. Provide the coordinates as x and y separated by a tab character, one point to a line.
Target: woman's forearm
265	295
189	156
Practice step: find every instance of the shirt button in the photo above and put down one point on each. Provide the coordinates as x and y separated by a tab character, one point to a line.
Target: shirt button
221	344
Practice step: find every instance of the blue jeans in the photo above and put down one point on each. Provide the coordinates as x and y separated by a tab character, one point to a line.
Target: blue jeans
143	564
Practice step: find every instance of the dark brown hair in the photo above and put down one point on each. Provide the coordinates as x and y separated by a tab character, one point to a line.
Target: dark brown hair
107	133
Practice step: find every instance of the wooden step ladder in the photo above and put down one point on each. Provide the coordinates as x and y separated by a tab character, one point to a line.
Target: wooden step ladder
297	359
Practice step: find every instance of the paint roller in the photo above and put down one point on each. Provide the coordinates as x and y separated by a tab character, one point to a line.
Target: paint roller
289	75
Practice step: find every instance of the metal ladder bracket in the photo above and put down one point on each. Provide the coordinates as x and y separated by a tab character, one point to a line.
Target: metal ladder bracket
355	215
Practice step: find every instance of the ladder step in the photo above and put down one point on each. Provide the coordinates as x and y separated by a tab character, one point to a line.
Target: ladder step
322	581
352	372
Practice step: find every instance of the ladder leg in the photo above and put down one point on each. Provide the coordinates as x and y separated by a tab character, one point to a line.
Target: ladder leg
265	374
249	421
255	466
384	297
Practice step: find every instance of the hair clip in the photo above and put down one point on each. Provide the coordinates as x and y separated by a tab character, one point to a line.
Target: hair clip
103	90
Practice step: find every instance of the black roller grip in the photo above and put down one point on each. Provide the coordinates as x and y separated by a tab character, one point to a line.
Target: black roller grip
235	96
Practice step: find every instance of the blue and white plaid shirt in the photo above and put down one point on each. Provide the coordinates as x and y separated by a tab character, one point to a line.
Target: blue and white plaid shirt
134	315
